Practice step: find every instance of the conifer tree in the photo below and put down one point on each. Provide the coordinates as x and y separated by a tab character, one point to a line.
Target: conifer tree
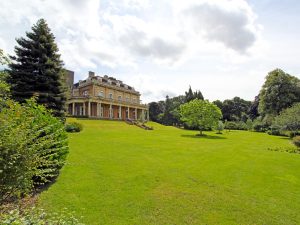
38	70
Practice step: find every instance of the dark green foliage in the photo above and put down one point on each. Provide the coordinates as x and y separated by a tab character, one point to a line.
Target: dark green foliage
37	216
37	69
235	109
296	141
253	109
156	108
190	95
33	147
275	131
259	126
73	127
279	92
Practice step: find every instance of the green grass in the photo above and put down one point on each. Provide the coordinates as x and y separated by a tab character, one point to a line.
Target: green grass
121	174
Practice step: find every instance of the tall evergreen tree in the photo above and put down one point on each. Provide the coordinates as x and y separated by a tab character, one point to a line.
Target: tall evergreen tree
190	95
38	70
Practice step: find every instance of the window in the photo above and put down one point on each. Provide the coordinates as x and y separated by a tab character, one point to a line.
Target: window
119	98
110	96
101	94
85	93
134	100
127	99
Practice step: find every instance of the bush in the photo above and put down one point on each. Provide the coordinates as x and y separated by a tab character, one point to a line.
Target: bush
33	147
238	125
37	216
73	127
220	127
292	134
259	126
296	141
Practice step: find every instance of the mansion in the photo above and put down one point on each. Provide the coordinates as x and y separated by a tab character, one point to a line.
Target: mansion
104	97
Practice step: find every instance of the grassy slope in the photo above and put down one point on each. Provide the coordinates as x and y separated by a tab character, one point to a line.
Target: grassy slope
121	174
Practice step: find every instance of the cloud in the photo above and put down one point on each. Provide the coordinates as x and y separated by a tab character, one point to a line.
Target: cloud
227	22
139	43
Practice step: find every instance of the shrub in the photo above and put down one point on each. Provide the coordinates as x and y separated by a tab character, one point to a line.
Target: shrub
73	127
33	147
296	141
230	125
37	216
220	127
259	126
238	125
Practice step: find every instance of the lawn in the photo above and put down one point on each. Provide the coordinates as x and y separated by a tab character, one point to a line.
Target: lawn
121	174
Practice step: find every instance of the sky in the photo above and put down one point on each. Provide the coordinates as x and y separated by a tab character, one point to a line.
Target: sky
224	48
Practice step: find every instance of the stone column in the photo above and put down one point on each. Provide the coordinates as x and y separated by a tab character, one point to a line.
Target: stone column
100	110
89	109
148	115
128	112
110	111
84	109
143	114
135	114
73	109
120	112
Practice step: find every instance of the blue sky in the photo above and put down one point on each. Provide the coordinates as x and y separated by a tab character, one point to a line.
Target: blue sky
224	48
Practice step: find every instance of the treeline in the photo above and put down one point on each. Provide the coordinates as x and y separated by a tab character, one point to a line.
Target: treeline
279	92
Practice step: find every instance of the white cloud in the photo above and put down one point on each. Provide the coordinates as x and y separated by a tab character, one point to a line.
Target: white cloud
204	43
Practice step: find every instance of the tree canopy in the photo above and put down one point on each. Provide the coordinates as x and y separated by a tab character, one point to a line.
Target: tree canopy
289	119
201	114
37	69
279	92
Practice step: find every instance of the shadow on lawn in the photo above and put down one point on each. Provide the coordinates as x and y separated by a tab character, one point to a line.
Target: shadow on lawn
203	136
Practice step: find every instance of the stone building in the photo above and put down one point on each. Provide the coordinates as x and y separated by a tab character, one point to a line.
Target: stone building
107	98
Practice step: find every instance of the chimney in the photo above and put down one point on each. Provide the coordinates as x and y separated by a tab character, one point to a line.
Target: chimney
91	74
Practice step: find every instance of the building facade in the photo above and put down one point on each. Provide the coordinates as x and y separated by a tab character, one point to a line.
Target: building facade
106	98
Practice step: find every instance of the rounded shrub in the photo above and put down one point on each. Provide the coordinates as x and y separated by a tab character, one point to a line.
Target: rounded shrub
73	127
33	148
296	141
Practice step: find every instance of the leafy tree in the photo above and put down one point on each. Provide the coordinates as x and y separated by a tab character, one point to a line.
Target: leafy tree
201	114
235	109
154	110
279	92
289	119
37	69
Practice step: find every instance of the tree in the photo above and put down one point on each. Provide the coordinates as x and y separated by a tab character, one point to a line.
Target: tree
37	70
253	110
289	119
234	109
279	92
154	110
190	95
201	114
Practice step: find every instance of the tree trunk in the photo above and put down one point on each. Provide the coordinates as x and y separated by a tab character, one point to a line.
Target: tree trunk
201	132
